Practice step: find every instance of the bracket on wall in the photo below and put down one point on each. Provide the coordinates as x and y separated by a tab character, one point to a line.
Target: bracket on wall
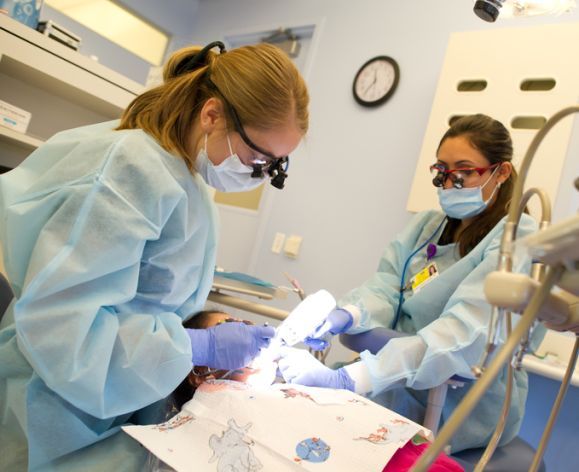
285	40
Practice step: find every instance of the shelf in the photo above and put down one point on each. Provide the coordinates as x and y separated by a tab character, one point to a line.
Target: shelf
31	58
59	87
66	54
19	139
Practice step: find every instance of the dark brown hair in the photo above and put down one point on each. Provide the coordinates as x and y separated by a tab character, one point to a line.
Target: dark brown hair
201	319
493	141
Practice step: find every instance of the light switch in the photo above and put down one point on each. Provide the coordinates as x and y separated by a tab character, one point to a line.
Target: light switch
292	246
278	240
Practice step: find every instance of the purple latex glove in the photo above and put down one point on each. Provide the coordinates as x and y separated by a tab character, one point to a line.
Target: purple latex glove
300	367
338	321
228	345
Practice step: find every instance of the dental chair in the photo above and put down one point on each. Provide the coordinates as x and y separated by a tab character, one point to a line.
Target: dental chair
516	456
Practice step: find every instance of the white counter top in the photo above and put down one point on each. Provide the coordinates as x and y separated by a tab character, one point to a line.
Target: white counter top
554	353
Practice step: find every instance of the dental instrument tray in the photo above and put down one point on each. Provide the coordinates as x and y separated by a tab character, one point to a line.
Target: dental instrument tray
247	285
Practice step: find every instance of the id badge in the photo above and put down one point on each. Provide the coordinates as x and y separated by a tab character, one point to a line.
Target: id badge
426	275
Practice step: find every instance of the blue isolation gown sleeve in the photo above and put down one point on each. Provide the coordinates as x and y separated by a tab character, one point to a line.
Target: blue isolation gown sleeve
375	302
446	342
104	252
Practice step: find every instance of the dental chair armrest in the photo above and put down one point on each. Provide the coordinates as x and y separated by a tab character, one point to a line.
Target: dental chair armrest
376	338
372	340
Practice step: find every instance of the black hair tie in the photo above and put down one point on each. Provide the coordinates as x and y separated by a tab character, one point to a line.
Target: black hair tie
199	59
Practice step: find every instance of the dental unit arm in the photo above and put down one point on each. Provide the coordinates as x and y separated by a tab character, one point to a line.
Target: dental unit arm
555	246
495	292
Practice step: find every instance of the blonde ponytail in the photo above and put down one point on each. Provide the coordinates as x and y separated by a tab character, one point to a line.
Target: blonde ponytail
260	82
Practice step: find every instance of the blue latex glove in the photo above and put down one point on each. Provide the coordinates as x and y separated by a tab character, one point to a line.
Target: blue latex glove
338	321
228	345
300	367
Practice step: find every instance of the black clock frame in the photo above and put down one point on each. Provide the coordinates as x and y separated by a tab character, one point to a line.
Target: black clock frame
390	92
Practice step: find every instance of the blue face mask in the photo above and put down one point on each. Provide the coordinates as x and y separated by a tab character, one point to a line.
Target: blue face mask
461	203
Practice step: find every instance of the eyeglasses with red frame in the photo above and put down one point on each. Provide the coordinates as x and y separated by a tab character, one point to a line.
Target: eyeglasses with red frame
458	177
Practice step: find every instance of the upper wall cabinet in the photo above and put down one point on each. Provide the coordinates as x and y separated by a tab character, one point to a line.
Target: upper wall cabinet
60	88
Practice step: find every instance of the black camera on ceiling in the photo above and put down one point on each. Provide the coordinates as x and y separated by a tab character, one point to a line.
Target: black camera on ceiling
488	10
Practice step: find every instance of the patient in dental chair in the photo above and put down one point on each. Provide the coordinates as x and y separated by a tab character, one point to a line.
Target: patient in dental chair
199	374
220	421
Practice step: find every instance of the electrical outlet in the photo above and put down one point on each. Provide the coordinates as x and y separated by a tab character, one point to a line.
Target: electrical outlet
292	246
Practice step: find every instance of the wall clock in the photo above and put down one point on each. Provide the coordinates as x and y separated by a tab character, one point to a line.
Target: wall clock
376	81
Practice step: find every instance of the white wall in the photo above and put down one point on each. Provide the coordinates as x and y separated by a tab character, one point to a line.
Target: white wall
348	186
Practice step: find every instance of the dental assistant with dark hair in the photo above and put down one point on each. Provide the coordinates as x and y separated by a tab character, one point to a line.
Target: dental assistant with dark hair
109	233
429	287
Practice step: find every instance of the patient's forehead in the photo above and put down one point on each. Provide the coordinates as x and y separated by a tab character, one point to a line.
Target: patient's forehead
216	317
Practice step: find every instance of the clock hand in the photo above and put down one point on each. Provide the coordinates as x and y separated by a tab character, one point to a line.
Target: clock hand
373	82
369	87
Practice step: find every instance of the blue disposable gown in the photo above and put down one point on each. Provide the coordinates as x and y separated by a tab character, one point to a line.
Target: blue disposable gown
448	319
109	243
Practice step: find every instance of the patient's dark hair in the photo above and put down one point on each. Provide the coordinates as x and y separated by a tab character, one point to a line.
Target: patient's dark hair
200	319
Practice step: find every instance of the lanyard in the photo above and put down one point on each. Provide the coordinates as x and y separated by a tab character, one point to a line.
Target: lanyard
408	259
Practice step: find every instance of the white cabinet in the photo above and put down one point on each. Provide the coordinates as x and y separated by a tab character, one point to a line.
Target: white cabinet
61	88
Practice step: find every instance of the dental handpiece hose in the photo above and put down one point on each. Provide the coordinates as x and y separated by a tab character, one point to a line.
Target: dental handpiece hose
505	265
505	256
492	341
481	385
500	428
537	273
524	169
537	268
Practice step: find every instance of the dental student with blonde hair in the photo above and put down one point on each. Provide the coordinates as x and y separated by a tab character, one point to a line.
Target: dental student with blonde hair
109	237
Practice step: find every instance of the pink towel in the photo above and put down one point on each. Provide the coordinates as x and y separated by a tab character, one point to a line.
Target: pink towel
406	456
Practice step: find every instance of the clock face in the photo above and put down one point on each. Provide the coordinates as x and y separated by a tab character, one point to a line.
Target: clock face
376	81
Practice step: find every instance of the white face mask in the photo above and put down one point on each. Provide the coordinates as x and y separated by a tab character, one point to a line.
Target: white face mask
231	175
